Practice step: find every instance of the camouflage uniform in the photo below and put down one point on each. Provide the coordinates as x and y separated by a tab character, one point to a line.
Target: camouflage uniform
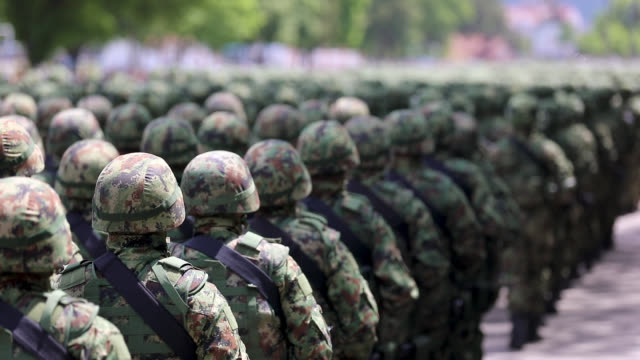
539	175
47	109
140	191
348	304
190	112
31	128
223	131
19	155
210	181
99	105
313	110
330	156
346	107
76	178
171	139
455	218
19	104
125	126
31	208
225	101
278	121
69	126
422	245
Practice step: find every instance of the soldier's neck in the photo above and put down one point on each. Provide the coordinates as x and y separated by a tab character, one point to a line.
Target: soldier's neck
24	282
402	162
226	227
369	175
287	210
138	250
328	187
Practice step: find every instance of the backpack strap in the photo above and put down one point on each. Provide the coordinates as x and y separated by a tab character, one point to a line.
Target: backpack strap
84	232
146	305
30	335
250	272
347	236
437	165
266	228
439	218
392	218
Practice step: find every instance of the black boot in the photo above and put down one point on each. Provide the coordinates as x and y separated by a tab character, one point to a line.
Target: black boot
519	330
534	324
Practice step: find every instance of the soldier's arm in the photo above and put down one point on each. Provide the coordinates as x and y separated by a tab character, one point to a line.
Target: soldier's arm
306	329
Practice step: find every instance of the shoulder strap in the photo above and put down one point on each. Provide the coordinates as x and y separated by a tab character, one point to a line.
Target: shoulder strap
438	166
85	234
439	218
146	305
250	272
30	335
266	228
348	237
392	218
528	152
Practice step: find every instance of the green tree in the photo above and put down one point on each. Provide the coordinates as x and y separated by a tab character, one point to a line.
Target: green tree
616	31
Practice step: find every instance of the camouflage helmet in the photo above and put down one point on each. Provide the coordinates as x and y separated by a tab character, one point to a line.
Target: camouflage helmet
409	132
190	112
371	136
125	126
31	128
172	140
80	167
218	182
314	110
34	234
69	126
223	131
47	109
521	111
278	172
19	104
326	148
459	134
561	110
346	107
19	155
99	105
425	96
137	194
225	101
278	121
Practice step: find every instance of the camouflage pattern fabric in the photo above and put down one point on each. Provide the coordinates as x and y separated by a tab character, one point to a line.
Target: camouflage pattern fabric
223	131
348	306
19	104
218	188
19	155
33	210
347	107
31	128
125	126
99	106
69	126
314	110
225	101
190	112
47	109
278	121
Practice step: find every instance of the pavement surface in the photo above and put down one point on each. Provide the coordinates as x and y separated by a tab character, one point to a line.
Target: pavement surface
598	317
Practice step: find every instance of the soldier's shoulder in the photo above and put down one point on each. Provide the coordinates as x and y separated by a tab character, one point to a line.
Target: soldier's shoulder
262	249
357	204
76	274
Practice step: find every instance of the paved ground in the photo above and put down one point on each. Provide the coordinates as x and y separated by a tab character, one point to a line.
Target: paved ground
599	317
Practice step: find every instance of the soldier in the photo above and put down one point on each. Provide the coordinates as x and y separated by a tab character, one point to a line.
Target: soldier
99	105
454	217
136	201
32	209
278	121
313	110
225	101
219	193
75	183
125	126
539	176
19	155
223	131
419	240
31	128
171	139
331	156
191	112
69	126
19	104
346	107
347	302
47	109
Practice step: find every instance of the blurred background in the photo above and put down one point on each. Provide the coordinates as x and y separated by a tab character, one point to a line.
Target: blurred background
148	35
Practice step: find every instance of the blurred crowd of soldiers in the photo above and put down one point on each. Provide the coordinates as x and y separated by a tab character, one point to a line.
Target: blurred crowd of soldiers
285	215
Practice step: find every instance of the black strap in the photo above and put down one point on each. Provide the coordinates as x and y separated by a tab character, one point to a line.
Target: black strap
156	316
438	217
438	166
266	228
394	220
347	236
186	228
85	234
250	272
30	335
527	151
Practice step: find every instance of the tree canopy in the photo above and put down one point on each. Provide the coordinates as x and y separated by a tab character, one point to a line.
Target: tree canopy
617	31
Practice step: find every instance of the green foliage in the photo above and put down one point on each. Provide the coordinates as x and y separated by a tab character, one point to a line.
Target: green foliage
617	31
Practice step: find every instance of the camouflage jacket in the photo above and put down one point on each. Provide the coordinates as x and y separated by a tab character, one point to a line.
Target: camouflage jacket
208	319
580	146
463	231
396	291
305	334
74	322
349	307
